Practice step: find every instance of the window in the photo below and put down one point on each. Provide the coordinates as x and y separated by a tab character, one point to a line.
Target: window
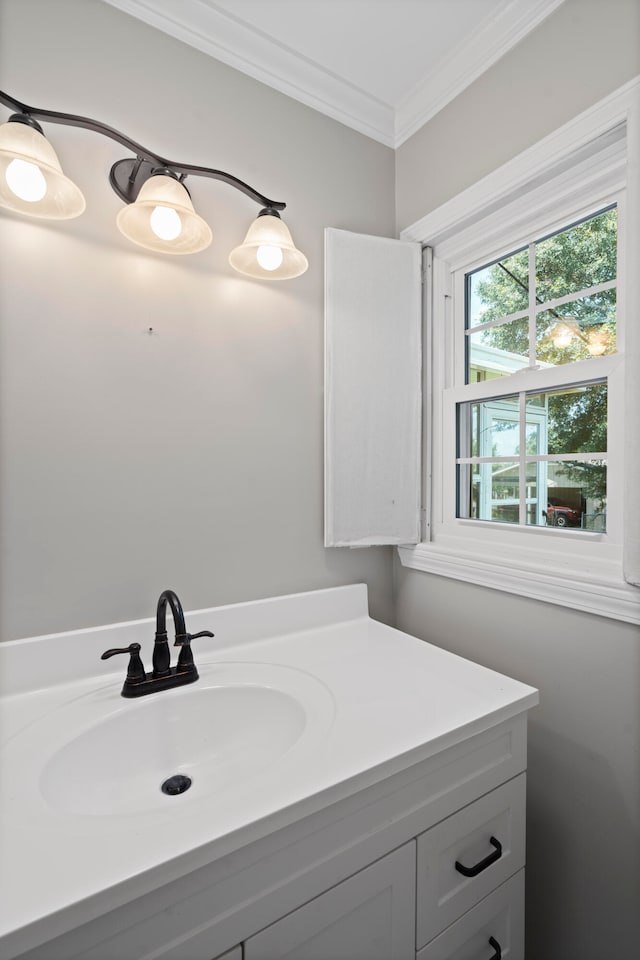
527	433
539	457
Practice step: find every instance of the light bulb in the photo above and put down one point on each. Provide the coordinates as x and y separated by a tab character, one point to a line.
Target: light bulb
269	257
25	179
562	340
166	223
598	343
562	335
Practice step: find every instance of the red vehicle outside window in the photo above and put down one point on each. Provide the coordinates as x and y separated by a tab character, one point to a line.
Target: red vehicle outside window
559	515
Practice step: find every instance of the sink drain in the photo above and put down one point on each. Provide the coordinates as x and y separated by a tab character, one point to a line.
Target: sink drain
176	784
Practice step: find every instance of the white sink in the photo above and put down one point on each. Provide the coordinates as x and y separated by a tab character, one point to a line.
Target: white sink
102	755
306	703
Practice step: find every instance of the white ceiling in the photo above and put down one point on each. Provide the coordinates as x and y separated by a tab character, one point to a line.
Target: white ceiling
383	67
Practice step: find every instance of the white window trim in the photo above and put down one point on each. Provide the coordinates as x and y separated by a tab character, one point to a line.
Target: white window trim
573	574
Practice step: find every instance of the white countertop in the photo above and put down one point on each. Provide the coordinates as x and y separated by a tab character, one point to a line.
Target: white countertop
380	700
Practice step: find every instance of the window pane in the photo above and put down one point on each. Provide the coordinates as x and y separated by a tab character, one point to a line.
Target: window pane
581	257
536	478
499	351
570	421
489	428
488	491
469	491
577	495
498	290
577	330
505	492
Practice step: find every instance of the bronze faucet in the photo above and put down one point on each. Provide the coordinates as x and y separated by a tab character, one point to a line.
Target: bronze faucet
163	676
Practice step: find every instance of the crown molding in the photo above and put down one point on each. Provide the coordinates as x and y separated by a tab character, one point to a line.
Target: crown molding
467	62
226	38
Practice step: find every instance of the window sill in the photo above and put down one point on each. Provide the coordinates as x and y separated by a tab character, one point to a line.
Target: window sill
604	593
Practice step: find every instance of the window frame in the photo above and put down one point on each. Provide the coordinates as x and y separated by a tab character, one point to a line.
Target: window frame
608	368
574	173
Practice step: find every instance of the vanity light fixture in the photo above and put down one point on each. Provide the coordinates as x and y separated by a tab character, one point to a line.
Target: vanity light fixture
159	214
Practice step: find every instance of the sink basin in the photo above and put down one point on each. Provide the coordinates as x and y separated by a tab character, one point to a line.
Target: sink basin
214	736
101	755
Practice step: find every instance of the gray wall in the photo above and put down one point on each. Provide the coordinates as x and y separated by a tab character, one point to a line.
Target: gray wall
583	790
191	458
579	54
583	879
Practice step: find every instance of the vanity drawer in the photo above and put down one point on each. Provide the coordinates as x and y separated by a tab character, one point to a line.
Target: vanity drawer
485	839
493	928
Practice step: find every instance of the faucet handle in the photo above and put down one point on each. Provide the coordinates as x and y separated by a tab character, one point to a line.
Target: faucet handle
135	671
185	638
185	658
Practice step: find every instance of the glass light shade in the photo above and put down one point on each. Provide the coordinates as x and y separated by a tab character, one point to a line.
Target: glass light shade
268	252
151	220
31	178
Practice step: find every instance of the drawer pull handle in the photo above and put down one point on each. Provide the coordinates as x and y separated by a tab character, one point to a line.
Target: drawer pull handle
498	949
483	864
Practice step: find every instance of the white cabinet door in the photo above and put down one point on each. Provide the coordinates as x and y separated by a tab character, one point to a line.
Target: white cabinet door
370	916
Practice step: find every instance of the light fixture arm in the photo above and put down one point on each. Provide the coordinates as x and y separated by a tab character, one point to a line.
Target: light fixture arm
123	183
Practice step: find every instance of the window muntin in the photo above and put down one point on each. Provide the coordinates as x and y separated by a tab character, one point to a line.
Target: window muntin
551	303
536	458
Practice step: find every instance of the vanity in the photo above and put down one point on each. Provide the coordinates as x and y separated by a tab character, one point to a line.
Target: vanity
354	793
